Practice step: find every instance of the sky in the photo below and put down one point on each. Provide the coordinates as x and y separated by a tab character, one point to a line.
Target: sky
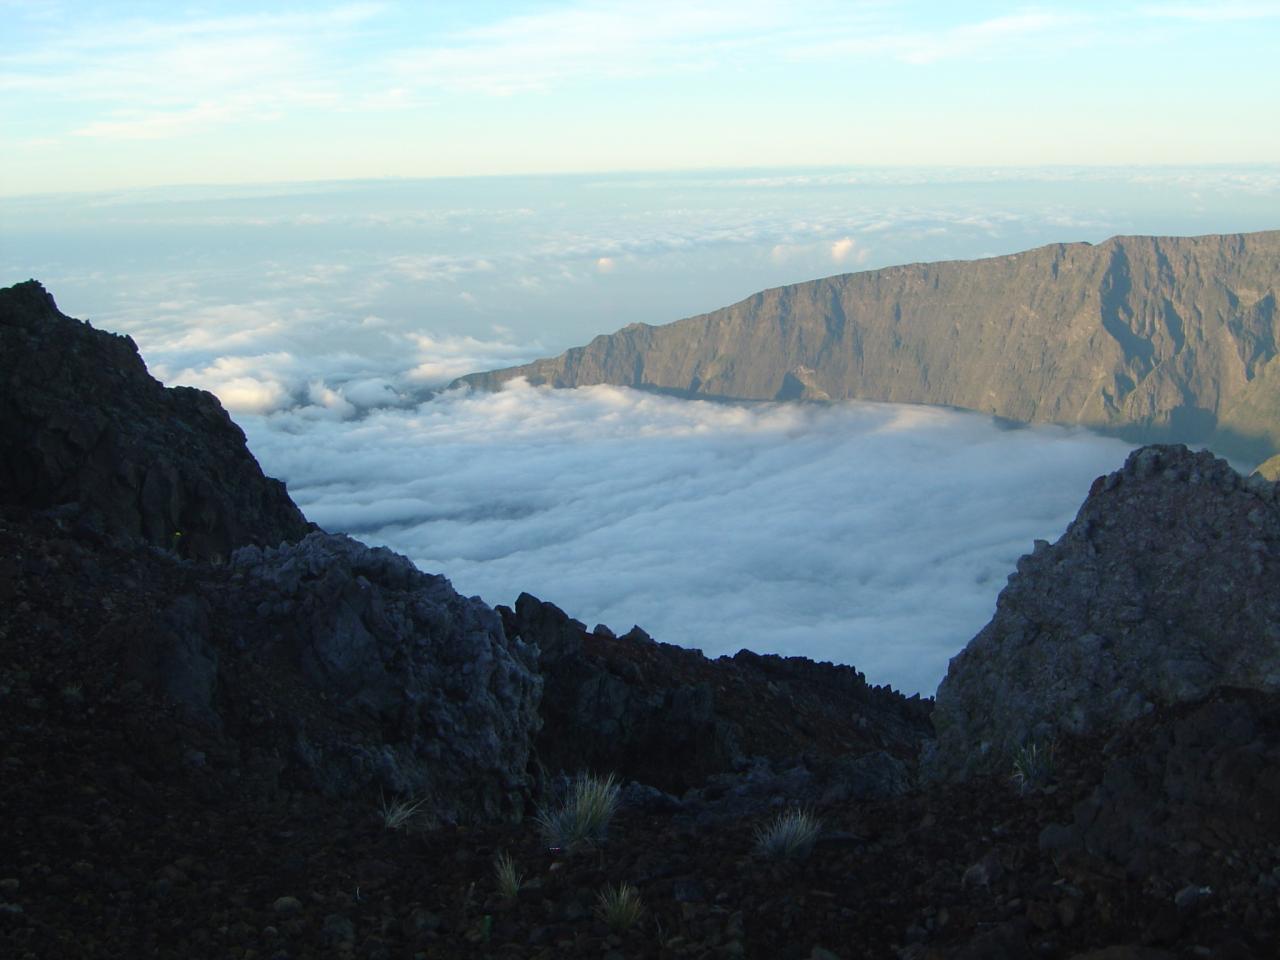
110	95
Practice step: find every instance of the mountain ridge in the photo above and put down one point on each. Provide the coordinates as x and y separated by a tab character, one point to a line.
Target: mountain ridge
1151	338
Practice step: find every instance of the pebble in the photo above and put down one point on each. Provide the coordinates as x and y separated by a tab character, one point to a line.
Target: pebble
287	906
338	929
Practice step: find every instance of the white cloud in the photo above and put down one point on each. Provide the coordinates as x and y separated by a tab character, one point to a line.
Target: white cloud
606	264
843	250
877	535
246	394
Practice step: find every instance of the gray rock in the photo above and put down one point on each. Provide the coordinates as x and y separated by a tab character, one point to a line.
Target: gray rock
1162	589
431	699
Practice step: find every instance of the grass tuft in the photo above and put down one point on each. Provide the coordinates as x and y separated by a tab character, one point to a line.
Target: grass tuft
1033	765
619	907
790	836
400	813
509	879
584	816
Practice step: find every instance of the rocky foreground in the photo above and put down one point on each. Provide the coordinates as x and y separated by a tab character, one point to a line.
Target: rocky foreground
204	747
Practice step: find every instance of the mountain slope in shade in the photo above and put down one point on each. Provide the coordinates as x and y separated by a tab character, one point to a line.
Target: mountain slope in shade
1150	337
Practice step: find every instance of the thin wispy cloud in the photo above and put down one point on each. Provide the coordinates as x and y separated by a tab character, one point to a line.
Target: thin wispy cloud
1214	12
536	52
1013	33
191	70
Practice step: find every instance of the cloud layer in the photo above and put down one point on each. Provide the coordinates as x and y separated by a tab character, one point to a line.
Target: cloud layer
871	534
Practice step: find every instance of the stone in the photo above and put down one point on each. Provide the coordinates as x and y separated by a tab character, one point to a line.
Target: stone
1160	591
287	906
85	428
434	701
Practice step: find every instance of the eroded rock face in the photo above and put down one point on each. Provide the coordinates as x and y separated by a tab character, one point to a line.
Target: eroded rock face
1162	589
425	694
84	426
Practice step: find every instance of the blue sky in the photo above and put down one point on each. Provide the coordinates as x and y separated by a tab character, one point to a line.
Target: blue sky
102	96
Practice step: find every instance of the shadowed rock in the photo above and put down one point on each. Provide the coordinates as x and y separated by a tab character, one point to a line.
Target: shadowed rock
83	426
1160	591
672	718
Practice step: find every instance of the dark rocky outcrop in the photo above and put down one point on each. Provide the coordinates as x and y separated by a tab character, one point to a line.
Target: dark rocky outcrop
322	667
416	689
1160	591
1157	338
83	425
671	718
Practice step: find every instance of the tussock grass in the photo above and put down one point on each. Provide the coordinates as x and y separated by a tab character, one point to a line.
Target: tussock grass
584	816
508	878
619	907
1033	765
789	836
399	813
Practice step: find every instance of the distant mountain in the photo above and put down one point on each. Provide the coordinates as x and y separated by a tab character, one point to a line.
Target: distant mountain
1154	338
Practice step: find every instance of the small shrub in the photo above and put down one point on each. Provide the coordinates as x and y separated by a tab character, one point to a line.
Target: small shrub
790	836
509	879
585	814
619	907
398	814
1032	766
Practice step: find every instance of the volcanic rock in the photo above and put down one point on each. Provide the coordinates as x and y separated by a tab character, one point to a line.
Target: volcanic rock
83	426
671	718
428	697
1162	590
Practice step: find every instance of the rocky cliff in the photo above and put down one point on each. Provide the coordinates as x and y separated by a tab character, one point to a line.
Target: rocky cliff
1158	338
85	427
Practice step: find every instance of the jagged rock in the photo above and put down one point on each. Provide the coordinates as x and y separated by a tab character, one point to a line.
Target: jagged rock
670	718
85	427
1162	589
429	697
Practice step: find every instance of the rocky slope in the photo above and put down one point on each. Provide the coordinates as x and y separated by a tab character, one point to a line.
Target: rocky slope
1159	338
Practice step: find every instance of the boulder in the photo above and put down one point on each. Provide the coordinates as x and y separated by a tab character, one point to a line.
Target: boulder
1161	590
412	689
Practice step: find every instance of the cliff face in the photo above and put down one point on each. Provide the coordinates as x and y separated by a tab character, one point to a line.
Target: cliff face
1153	337
82	423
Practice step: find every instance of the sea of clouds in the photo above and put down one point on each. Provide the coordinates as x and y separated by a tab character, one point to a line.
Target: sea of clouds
871	534
328	316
